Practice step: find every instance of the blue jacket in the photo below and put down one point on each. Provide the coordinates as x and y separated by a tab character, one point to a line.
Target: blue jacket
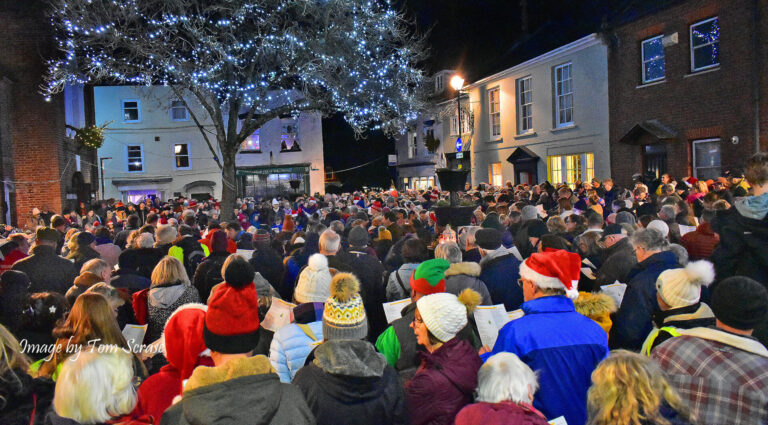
290	348
500	275
632	323
563	346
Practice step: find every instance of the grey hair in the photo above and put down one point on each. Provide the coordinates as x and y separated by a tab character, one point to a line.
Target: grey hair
649	239
680	252
667	213
329	241
449	251
95	266
504	377
144	240
337	226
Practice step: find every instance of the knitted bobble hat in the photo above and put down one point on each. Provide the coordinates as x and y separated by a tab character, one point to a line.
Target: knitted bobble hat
429	276
344	313
682	287
232	320
314	281
445	314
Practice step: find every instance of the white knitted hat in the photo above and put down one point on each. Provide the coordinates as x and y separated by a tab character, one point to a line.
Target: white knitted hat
682	287
314	281
443	314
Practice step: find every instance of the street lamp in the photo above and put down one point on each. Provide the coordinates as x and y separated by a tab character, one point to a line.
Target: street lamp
457	83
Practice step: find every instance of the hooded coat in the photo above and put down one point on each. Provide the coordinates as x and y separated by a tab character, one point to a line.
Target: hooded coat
460	276
500	271
743	230
348	382
242	391
443	384
501	413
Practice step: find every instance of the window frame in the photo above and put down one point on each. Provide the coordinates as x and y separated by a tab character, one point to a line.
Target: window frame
645	80
413	148
694	166
189	156
464	124
692	49
521	105
138	110
558	123
183	105
497	91
127	159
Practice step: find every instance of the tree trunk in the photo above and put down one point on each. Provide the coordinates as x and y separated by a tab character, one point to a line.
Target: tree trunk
228	186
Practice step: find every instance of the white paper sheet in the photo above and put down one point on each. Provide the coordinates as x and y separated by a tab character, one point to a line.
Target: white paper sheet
588	273
392	309
280	313
615	290
490	319
245	253
685	229
558	421
134	335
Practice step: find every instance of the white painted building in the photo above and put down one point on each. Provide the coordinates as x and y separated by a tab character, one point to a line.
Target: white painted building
153	147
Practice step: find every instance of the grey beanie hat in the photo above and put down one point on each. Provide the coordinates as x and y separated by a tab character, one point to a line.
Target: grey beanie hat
358	237
625	217
529	213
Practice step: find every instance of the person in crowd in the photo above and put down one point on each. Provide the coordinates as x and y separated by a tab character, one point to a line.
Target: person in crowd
629	389
413	253
618	256
47	271
633	320
14	295
552	338
701	243
240	237
505	392
147	256
369	270
678	293
347	381
81	249
461	275
383	242
13	249
23	399
265	260
240	388
721	372
108	251
121	238
127	277
187	249
122	310
59	223
314	283
165	235
498	268
330	247
41	314
184	350
208	272
390	222
95	387
92	272
292	343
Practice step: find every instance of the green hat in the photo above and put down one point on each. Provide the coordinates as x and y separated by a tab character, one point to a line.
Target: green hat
429	277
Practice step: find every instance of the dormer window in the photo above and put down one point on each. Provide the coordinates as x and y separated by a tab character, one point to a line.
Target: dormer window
439	83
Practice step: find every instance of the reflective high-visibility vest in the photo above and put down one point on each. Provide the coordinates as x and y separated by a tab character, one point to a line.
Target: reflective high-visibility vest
654	334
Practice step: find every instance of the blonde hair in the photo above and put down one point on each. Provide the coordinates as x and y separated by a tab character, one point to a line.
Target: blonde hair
11	357
95	387
169	270
628	389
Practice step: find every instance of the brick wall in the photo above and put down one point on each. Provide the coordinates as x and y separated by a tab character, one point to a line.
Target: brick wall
714	104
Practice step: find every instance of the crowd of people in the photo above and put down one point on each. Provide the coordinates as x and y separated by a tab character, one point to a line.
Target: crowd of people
643	305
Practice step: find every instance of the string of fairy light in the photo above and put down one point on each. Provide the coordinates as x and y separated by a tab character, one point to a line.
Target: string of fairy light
350	56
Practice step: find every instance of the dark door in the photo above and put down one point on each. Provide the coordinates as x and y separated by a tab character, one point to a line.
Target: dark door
655	159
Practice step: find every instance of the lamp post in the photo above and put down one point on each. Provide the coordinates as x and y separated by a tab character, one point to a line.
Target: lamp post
457	83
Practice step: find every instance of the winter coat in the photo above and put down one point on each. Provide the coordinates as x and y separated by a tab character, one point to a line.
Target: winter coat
291	345
632	322
619	260
596	306
444	383
396	291
189	252
563	346
500	271
47	271
743	230
269	263
460	276
208	274
145	259
501	413
370	273
668	323
23	397
10	258
162	301
241	391
700	243
348	382
83	256
121	239
130	280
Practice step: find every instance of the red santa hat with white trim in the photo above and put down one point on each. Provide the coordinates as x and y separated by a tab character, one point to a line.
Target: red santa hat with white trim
554	269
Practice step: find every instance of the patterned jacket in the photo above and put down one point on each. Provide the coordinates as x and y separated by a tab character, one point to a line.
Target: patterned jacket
722	377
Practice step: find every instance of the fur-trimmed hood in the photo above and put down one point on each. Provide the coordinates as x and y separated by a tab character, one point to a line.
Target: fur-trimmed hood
590	304
467	268
238	368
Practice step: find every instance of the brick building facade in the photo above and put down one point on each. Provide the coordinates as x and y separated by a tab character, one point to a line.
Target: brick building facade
39	165
683	110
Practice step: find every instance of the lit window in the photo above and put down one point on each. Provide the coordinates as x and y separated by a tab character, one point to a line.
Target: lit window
570	169
494	113
705	43
524	105
289	139
179	111
563	95
706	159
134	158
494	174
464	123
131	111
181	153
590	166
555	169
251	143
653	59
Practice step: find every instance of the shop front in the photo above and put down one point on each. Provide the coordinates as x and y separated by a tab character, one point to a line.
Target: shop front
272	181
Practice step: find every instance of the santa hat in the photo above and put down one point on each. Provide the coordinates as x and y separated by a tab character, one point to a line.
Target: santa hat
232	320
183	338
553	269
192	204
429	277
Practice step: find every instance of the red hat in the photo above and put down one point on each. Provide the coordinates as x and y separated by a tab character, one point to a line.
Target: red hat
232	320
691	180
394	193
556	269
192	204
119	204
96	224
163	220
183	336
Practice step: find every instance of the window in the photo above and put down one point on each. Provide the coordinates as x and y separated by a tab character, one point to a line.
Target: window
421	183
524	105
570	169
464	123
135	158
439	83
131	111
706	159
413	144
653	59
494	113
705	42
555	169
181	153
590	166
563	96
494	173
251	143
289	139
179	111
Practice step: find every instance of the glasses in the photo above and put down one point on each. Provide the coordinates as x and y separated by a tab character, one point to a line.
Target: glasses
418	320
520	282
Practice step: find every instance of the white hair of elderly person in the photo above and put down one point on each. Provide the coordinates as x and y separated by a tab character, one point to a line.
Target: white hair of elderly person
95	386
505	389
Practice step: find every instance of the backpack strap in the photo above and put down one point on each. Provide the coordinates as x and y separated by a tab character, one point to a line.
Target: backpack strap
400	282
308	331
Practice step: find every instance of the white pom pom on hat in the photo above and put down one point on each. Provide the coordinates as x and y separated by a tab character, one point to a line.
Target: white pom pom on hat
682	287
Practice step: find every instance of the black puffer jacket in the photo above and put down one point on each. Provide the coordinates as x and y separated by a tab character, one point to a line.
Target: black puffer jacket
208	274
24	395
47	271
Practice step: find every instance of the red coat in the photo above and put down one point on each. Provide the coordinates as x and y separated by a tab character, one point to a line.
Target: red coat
701	243
11	258
157	392
502	413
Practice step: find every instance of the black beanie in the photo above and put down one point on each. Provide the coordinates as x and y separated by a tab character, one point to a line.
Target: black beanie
537	229
488	238
239	272
740	302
